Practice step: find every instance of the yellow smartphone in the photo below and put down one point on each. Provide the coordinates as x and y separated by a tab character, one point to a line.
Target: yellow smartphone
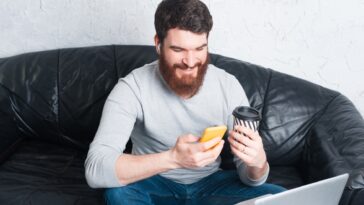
212	132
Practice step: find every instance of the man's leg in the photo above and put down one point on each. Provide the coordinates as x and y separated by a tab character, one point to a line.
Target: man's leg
225	187
154	190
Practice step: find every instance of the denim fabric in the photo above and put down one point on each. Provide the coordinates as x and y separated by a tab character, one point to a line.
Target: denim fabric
222	187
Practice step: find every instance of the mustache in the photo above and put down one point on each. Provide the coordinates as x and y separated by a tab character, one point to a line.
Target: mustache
184	66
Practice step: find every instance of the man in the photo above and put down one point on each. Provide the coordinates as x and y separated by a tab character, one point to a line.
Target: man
164	107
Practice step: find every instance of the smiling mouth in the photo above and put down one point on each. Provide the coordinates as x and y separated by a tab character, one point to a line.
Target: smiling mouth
187	70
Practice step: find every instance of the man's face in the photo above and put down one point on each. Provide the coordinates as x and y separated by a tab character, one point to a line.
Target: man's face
183	61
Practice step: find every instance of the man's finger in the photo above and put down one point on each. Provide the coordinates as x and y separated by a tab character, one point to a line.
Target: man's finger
248	132
206	161
203	146
218	148
242	139
241	155
212	153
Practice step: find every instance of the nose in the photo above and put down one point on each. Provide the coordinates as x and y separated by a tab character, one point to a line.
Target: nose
190	60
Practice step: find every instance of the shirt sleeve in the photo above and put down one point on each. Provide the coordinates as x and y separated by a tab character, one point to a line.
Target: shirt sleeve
237	98
119	115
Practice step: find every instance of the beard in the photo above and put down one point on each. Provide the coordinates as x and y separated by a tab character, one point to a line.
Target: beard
187	85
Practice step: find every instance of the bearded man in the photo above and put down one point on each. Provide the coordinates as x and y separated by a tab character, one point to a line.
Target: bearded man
163	107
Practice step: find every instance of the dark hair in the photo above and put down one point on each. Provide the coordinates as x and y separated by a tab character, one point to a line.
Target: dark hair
190	15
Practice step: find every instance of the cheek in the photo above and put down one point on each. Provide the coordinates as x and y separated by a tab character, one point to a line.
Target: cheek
202	56
173	58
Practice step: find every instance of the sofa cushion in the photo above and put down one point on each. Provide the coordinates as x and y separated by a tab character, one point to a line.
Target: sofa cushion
45	173
287	176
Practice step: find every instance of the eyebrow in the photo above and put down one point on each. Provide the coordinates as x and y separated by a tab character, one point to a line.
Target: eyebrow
177	47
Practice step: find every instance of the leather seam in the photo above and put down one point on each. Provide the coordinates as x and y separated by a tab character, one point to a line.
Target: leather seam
115	67
323	110
58	93
266	92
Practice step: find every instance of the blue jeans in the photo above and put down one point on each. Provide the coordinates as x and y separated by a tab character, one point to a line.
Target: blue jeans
222	187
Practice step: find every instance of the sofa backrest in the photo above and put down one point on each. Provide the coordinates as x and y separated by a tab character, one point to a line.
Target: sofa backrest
58	96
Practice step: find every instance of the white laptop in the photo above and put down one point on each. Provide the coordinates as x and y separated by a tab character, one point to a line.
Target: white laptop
324	192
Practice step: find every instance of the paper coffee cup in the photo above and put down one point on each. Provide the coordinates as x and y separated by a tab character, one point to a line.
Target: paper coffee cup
247	117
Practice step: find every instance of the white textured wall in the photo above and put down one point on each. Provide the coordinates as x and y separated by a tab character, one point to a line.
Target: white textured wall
318	40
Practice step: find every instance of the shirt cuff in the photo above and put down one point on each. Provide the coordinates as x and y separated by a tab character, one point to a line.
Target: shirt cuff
242	170
261	180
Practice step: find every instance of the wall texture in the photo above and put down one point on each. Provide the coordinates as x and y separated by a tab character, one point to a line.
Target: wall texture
320	41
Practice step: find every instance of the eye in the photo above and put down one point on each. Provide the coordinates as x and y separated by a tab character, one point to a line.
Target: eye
200	48
177	49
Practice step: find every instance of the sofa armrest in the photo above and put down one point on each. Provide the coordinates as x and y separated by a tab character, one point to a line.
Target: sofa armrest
335	146
9	137
335	143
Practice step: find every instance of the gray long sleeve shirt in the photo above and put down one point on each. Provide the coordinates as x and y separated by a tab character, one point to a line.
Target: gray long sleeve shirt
142	107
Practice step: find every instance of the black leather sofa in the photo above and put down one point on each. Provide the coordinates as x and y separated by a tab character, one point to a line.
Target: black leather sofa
51	103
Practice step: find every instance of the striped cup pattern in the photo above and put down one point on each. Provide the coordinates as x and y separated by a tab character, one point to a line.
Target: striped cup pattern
250	124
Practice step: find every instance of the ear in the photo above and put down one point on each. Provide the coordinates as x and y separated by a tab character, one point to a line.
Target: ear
157	44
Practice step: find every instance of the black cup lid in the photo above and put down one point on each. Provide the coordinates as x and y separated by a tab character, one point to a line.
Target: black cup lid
246	113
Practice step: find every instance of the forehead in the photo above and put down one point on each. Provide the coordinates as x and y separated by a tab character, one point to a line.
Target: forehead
184	38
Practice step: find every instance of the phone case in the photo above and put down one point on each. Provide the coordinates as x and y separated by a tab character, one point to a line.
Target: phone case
212	132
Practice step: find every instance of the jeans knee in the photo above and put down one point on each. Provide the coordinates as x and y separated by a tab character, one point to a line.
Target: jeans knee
125	195
113	194
274	189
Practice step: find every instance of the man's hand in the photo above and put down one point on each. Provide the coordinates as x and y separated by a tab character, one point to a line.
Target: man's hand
249	149
188	153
